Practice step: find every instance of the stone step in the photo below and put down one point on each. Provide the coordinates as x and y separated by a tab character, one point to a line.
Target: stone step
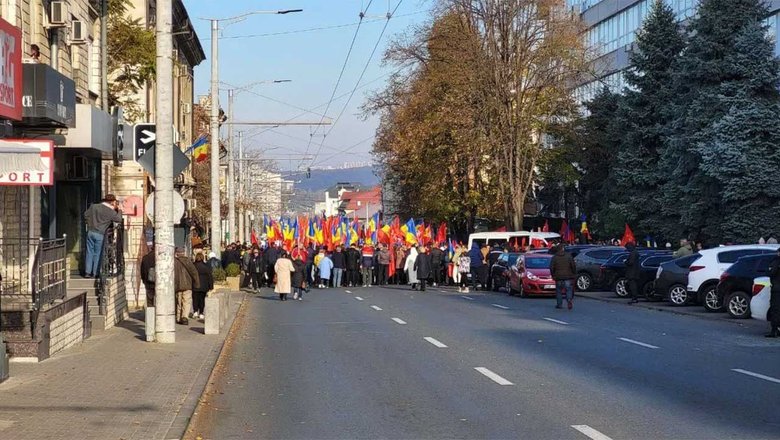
81	283
98	322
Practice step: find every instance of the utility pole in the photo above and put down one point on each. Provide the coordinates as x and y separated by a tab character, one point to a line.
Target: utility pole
104	55
216	227
242	208
165	303
231	178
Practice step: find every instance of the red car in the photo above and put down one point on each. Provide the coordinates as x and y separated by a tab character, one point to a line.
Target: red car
531	276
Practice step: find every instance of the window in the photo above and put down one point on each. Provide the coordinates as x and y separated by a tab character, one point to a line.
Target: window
537	263
513	258
600	255
685	262
657	261
732	256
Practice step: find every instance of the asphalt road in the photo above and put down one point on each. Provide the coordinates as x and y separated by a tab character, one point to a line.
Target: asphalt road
393	363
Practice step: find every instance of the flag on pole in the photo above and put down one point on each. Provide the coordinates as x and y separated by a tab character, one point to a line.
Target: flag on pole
628	236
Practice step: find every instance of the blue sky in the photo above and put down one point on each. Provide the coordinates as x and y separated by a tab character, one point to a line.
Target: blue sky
312	60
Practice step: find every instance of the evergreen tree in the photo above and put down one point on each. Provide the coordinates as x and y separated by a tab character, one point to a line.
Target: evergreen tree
740	151
690	193
643	117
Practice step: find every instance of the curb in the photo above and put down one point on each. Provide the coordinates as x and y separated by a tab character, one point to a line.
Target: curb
194	401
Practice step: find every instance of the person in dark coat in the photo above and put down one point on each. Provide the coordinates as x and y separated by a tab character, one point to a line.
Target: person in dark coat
563	270
423	267
475	254
339	264
148	276
352	259
206	283
632	272
256	269
298	278
437	261
271	256
774	299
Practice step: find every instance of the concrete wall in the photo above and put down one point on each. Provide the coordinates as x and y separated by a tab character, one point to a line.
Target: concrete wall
66	331
116	302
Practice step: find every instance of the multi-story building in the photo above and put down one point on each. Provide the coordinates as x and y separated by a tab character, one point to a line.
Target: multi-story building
612	27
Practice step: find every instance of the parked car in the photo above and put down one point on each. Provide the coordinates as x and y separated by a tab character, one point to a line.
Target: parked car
530	275
671	280
589	263
736	283
574	249
614	272
499	272
759	303
704	273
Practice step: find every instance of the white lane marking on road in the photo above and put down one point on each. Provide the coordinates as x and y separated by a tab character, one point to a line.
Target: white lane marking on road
760	376
359	298
590	432
399	321
493	376
443	291
500	306
376	308
348	291
641	344
556	321
434	342
467	297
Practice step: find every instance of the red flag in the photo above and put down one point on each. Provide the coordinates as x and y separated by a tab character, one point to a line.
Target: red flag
253	237
628	236
391	267
441	234
546	227
564	232
501	229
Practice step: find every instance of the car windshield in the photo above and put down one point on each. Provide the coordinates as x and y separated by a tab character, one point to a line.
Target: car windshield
513	258
537	263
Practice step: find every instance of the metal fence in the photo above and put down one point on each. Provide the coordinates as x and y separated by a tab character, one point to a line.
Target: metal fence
33	272
50	280
112	260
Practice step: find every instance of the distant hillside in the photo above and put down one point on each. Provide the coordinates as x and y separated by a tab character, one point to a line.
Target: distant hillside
323	179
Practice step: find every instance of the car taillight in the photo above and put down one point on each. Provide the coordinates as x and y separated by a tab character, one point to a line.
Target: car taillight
724	275
695	268
757	288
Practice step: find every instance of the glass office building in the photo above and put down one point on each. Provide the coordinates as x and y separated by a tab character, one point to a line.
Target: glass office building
612	27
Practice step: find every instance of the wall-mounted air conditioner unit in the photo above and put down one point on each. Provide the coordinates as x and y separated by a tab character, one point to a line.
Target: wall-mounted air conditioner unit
58	13
78	34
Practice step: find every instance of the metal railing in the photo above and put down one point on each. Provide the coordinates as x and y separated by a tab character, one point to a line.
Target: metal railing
50	280
112	261
33	272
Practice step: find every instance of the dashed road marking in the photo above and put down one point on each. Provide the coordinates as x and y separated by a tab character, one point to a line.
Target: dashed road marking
376	308
435	342
590	432
443	291
359	298
756	375
500	306
493	376
467	297
641	344
557	321
399	321
348	291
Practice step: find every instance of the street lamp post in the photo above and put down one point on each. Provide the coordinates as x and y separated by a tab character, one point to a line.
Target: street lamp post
216	227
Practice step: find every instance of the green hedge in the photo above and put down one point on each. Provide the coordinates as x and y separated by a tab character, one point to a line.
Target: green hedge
219	274
233	270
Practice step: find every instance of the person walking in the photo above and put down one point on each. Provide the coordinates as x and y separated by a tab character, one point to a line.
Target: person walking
326	267
271	256
563	271
186	279
462	269
98	218
148	275
437	261
422	266
411	268
352	258
214	261
256	269
632	272
456	273
400	260
383	258
684	250
773	316
283	269
339	264
476	261
298	277
205	284
246	276
367	264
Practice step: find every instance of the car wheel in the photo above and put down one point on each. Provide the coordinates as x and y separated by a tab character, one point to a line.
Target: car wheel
738	305
621	288
712	302
584	282
678	295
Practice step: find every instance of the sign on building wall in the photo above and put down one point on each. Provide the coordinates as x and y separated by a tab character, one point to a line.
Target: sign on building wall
26	162
10	71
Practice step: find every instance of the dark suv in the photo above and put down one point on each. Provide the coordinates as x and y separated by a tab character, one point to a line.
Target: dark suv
672	280
736	283
589	263
499	270
614	272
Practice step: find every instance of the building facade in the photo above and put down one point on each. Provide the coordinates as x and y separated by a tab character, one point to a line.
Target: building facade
612	26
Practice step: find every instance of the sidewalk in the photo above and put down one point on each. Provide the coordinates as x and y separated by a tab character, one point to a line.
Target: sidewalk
113	386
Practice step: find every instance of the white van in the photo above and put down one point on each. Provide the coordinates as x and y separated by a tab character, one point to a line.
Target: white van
502	238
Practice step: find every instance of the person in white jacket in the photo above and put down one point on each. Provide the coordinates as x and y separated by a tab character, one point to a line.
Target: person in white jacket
411	273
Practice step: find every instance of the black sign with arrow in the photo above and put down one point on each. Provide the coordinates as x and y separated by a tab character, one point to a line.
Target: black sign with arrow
145	142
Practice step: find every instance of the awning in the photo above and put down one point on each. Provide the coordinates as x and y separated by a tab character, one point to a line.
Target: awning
16	156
